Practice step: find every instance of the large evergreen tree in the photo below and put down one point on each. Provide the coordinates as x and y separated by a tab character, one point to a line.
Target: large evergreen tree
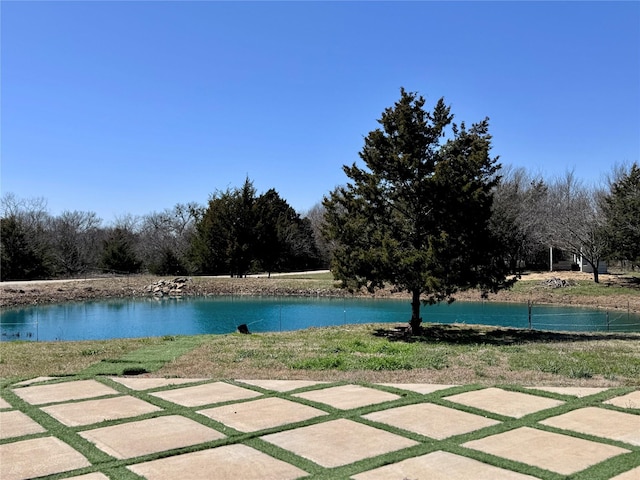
25	249
623	216
118	254
240	232
21	256
211	244
224	239
417	216
284	241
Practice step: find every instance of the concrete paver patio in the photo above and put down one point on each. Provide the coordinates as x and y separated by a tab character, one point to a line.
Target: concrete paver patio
347	397
266	429
573	391
93	411
281	385
159	434
550	451
630	400
17	424
441	466
423	388
509	404
208	393
261	414
431	420
90	476
38	457
620	426
338	442
233	461
140	384
63	392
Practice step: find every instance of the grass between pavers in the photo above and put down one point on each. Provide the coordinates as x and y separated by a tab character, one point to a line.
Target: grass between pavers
115	468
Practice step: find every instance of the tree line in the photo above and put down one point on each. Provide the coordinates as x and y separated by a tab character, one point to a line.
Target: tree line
236	233
430	211
240	232
539	221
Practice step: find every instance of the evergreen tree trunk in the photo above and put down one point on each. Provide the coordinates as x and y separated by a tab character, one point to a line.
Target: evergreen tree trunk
415	321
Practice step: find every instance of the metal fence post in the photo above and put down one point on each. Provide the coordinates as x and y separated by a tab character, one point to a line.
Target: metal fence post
529	309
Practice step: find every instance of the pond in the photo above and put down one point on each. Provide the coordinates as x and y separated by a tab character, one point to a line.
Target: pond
129	318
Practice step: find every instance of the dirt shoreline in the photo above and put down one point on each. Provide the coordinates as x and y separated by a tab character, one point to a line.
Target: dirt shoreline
17	294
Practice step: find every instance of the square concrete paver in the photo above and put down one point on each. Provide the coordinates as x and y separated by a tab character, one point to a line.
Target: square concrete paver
347	397
630	400
281	385
551	451
431	420
38	457
600	422
139	384
633	474
94	411
572	391
31	381
159	434
17	424
338	442
262	413
63	392
502	402
232	462
423	388
4	404
205	394
441	466
90	476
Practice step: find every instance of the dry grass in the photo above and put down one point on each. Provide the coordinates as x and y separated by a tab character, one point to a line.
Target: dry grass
34	359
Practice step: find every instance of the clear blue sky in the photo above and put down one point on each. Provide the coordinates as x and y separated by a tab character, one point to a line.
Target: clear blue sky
132	107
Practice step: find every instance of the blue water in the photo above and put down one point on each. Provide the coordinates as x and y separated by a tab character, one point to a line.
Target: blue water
148	317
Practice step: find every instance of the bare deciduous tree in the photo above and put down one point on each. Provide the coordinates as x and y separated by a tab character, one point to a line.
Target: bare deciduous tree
519	216
165	238
75	238
25	248
315	215
576	221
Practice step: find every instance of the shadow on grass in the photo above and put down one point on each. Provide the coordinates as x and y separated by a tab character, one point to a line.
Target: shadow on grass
466	334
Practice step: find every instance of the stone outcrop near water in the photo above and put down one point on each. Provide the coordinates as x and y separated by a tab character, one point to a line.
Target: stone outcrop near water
170	288
557	283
